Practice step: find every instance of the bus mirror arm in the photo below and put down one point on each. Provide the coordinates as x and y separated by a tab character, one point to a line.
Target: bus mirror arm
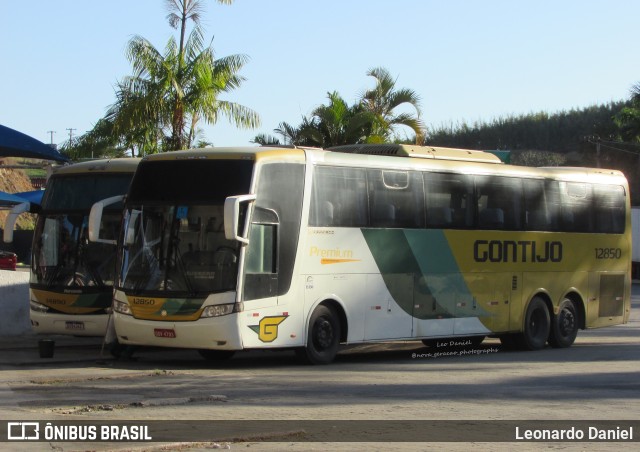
95	218
12	217
232	216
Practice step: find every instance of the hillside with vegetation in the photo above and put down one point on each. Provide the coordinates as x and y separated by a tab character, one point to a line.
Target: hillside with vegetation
595	136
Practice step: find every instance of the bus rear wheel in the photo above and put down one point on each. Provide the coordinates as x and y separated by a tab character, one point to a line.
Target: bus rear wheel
564	326
537	325
323	337
216	355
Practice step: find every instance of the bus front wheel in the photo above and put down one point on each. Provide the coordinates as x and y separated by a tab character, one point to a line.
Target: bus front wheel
537	325
323	337
564	326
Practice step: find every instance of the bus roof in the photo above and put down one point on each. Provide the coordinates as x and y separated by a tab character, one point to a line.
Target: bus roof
118	165
246	152
401	157
424	152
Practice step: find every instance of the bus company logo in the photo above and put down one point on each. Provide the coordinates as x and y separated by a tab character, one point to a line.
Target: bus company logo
23	431
517	251
267	329
143	301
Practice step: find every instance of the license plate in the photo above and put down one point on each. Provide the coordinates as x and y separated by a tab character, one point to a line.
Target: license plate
164	332
75	326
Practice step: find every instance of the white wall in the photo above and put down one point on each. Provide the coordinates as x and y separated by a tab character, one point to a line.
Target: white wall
635	234
14	303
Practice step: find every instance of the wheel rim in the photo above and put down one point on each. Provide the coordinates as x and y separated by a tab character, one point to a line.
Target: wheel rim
536	323
567	324
322	334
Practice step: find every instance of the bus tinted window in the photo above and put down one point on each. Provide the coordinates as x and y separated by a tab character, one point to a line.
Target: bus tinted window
499	202
609	212
81	191
539	205
448	200
576	213
198	181
339	197
396	199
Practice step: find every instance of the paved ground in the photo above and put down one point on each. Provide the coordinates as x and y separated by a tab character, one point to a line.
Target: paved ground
596	379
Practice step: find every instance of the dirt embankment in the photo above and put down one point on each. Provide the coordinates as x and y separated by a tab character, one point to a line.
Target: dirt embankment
14	181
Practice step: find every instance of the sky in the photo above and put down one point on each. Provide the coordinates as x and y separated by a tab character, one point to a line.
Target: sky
468	60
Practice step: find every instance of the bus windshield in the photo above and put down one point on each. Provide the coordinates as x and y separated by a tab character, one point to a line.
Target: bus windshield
63	256
173	229
178	248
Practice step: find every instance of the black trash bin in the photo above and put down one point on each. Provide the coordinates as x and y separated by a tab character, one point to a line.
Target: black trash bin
46	347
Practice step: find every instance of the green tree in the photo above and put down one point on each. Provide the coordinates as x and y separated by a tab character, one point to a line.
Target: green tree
628	119
338	123
165	94
383	100
160	106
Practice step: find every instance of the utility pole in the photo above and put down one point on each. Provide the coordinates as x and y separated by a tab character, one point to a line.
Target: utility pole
71	135
51	132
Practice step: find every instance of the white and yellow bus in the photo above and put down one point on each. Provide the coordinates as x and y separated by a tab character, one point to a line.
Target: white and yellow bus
71	282
230	249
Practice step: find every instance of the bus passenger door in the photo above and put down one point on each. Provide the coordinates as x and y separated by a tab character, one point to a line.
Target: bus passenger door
261	272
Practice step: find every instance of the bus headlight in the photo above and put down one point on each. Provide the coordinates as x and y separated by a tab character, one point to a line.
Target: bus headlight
217	310
35	306
122	308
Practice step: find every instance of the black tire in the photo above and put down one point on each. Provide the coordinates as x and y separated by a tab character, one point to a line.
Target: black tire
216	355
564	326
537	325
323	337
510	341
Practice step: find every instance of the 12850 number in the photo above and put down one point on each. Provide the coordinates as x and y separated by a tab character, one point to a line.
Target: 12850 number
608	253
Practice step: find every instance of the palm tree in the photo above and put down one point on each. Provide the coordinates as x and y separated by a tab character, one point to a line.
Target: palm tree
160	106
340	123
168	91
383	99
181	11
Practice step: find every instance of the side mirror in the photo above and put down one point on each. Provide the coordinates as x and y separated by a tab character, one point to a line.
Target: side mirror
95	218
232	216
10	223
130	236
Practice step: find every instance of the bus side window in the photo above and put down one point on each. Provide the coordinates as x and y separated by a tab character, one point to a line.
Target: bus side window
339	195
609	208
396	199
577	211
499	202
448	200
537	216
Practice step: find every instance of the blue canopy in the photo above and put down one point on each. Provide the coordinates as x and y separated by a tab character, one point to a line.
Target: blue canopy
8	200
17	144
